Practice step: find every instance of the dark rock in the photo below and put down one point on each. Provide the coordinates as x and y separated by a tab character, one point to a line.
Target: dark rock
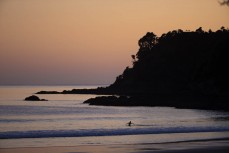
48	92
110	101
34	98
43	100
189	102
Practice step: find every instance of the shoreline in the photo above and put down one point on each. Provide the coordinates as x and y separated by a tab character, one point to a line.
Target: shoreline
107	96
193	146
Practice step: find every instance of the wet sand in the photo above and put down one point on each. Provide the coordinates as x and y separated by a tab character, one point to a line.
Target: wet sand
210	146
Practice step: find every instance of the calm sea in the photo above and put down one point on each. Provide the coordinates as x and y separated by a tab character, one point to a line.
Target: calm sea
65	121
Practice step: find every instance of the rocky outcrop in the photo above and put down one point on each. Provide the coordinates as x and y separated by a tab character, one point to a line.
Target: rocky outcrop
34	98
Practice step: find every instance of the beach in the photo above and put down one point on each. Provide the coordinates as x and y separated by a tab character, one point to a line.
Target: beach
209	146
63	124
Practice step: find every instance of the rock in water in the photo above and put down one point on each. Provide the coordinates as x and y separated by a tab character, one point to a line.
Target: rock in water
34	98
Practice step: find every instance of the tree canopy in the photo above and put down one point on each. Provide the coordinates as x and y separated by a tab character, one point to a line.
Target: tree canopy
179	62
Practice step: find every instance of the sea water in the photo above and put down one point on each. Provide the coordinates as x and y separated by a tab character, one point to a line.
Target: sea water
64	120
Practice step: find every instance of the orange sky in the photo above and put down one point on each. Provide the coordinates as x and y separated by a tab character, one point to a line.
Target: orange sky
46	42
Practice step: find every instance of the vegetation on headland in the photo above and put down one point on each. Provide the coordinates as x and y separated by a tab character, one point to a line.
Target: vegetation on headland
185	69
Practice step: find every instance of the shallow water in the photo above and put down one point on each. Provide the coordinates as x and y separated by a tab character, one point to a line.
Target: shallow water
65	119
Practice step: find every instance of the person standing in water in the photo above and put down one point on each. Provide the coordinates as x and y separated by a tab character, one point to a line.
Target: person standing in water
129	123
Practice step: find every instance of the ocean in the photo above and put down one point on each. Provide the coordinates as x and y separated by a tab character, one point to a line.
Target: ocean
64	120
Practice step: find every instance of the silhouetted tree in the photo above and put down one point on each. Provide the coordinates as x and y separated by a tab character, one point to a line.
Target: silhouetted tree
133	59
179	62
199	30
146	43
180	31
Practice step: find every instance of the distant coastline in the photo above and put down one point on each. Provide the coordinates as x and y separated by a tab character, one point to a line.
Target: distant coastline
183	69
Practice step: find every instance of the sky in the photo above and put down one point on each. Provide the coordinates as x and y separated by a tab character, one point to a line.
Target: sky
88	42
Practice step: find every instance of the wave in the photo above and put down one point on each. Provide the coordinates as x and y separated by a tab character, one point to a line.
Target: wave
106	132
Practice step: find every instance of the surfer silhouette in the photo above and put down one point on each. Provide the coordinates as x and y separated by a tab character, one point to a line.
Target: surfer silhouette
129	123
